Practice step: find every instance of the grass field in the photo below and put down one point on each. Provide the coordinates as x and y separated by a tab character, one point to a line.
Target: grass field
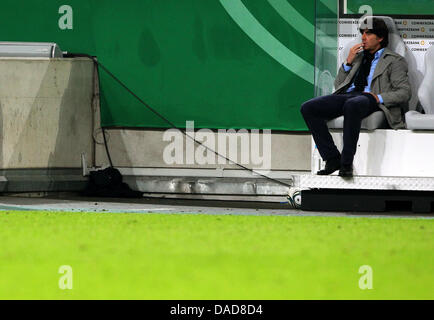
157	256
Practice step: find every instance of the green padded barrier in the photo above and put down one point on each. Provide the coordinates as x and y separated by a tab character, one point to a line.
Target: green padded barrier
220	63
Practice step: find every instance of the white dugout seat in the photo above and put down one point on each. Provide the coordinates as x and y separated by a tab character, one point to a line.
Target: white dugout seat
416	120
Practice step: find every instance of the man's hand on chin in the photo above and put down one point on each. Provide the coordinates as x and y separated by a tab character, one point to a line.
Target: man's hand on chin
375	96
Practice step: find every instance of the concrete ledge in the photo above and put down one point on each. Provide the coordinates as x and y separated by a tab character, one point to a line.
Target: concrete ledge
144	149
42	180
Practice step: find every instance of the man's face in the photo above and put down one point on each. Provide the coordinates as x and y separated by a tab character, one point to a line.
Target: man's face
371	42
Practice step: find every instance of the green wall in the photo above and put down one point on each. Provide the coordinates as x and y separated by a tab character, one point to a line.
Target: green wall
220	63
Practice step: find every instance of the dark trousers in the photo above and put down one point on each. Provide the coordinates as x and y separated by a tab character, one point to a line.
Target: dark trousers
353	106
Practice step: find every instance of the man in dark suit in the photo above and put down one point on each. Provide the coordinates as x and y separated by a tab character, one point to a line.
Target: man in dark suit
373	78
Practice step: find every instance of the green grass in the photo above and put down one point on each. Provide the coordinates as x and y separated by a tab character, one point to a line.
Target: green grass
149	256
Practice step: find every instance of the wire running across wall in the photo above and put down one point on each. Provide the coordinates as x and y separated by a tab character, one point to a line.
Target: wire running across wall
99	64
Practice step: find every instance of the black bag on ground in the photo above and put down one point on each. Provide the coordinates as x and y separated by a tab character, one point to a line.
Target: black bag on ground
108	183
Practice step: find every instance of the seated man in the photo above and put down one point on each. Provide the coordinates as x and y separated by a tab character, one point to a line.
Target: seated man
373	78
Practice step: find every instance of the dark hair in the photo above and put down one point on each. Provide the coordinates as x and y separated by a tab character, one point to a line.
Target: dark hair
379	28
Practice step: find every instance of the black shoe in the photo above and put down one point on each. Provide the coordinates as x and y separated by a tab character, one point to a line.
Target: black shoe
346	171
331	166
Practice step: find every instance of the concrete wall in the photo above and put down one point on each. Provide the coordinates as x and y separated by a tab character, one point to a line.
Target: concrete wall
135	148
45	112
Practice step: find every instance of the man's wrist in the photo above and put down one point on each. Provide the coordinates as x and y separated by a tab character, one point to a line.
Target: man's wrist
348	64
